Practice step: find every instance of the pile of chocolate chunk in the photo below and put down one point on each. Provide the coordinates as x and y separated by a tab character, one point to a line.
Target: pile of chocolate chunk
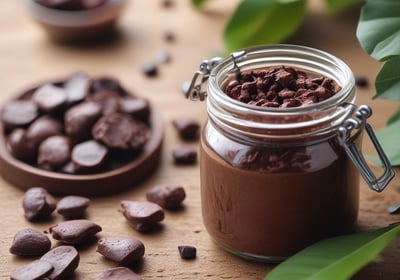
77	125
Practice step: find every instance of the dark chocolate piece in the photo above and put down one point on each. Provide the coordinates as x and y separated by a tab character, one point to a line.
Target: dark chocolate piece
167	196
119	273
187	252
188	128
122	250
74	231
30	242
54	152
89	155
143	216
184	155
34	270
64	259
150	69
38	203
19	145
19	113
72	206
50	98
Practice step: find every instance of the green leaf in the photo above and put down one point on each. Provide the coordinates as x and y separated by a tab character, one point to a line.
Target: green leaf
378	29
198	3
335	258
335	6
394	118
256	22
389	140
387	81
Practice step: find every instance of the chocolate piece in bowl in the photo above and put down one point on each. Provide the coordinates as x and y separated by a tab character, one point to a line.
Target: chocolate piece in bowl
121	250
77	87
88	156
54	152
108	101
64	259
49	98
138	108
19	113
79	119
19	145
38	269
43	128
30	242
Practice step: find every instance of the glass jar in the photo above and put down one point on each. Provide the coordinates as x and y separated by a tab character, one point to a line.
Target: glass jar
275	180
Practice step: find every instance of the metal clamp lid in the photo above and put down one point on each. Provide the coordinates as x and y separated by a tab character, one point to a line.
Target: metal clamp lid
196	89
353	150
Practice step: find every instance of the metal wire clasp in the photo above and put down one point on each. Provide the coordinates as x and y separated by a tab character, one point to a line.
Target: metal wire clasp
196	89
354	151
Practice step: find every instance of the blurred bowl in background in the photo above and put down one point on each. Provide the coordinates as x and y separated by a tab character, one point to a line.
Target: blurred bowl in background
78	26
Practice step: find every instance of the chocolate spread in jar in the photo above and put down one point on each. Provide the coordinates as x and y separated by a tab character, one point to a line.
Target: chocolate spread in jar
269	200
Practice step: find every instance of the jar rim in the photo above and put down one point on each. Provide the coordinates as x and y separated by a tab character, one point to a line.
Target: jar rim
319	118
288	51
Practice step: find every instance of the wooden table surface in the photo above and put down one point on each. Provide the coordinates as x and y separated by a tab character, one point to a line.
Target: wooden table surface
27	56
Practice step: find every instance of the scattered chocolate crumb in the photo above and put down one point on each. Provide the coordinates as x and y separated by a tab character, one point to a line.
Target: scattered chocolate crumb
150	69
184	155
187	252
361	81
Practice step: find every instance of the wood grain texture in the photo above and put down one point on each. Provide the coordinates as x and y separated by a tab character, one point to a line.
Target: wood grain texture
27	56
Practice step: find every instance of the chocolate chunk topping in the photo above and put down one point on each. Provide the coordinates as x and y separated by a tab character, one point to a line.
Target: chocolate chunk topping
282	87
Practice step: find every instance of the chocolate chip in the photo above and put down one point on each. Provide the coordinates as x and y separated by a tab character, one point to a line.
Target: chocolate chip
187	252
64	259
74	231
19	145
188	128
30	242
184	155
37	269
167	196
72	206
78	120
89	155
119	273
49	98
38	203
19	113
122	250
54	152
143	216
150	69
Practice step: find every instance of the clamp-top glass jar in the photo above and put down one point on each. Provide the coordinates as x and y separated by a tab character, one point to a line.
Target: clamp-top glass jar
275	180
